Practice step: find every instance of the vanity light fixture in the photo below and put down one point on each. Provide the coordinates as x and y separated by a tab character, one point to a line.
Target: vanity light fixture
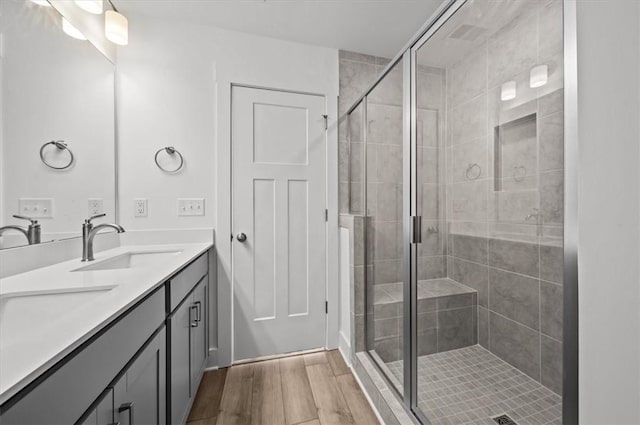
91	6
508	91
72	31
116	27
44	3
538	76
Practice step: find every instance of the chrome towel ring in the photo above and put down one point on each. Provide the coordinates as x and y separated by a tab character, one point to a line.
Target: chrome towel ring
519	172
61	145
473	171
170	150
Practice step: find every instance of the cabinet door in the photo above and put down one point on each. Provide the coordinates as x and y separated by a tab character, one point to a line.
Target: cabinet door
180	386
102	414
199	334
140	393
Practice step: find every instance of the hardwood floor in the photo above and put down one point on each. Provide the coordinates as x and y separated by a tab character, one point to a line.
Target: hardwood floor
310	389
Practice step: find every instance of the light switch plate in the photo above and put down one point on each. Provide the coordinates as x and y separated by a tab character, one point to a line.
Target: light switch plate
36	207
140	207
95	206
190	206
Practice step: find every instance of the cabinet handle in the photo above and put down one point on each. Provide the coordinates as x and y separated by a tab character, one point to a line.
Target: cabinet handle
129	408
199	305
194	322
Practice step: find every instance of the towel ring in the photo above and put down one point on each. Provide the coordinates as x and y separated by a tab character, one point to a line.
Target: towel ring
170	150
62	145
473	176
519	172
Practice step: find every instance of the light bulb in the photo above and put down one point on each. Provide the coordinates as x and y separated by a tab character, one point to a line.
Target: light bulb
72	31
508	91
44	3
91	6
538	76
116	28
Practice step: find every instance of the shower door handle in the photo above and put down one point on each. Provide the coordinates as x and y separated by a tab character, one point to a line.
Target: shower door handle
416	229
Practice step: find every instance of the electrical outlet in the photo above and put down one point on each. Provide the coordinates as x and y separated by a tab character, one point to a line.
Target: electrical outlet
140	207
36	207
190	207
95	206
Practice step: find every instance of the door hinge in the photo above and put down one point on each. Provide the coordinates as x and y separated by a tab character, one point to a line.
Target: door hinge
326	307
326	121
326	215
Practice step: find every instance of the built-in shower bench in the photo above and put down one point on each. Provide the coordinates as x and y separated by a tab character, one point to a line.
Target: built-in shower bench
446	317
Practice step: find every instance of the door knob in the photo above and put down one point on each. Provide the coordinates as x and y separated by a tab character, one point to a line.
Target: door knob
241	237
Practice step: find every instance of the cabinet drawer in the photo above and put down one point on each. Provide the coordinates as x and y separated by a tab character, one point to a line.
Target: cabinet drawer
64	393
182	283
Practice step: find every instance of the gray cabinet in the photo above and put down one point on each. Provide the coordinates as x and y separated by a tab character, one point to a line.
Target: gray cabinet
102	414
139	395
188	340
199	330
144	368
69	388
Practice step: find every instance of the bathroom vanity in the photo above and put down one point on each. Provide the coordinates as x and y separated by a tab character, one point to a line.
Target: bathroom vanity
122	339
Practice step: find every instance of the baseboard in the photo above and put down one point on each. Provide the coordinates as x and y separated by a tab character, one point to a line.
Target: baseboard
212	360
345	348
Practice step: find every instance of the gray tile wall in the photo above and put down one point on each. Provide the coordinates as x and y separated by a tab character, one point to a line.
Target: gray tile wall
444	323
519	288
384	163
513	262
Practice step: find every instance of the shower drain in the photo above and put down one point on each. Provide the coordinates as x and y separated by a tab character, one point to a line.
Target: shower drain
504	420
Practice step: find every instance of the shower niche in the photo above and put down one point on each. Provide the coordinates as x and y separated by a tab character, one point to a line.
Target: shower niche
516	155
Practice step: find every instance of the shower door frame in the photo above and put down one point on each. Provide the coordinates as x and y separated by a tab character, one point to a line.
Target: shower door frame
570	342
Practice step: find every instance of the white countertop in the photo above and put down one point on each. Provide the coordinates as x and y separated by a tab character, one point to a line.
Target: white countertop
27	352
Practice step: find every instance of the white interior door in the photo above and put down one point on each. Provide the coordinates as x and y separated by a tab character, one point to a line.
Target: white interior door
279	201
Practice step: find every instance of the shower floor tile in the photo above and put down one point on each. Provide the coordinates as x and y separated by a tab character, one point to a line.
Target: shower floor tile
471	385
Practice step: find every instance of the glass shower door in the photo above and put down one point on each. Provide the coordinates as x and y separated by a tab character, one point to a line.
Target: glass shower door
487	173
385	245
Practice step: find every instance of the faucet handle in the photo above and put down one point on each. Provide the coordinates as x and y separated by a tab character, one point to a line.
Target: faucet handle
21	217
88	220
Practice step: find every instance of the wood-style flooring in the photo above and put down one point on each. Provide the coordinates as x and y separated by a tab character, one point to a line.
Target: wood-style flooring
310	389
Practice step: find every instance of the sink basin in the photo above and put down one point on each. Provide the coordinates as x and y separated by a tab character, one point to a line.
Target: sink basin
33	308
130	260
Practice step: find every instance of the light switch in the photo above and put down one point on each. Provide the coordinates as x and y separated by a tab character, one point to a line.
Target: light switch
190	206
36	207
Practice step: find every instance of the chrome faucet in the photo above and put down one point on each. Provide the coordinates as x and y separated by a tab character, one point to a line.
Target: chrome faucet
89	231
32	232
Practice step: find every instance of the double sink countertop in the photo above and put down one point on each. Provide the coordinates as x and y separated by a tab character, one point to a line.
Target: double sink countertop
48	312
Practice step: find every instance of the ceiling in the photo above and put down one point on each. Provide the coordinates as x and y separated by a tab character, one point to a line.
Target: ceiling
375	27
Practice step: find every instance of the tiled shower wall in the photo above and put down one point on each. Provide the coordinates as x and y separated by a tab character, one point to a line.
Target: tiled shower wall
506	215
384	163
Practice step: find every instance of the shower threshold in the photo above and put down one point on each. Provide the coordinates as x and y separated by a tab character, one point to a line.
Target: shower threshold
471	386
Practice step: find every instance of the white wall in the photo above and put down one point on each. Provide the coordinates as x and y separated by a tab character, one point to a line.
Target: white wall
175	89
609	211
